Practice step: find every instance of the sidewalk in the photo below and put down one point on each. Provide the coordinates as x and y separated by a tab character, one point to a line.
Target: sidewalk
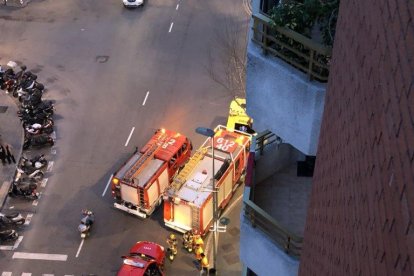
12	133
228	253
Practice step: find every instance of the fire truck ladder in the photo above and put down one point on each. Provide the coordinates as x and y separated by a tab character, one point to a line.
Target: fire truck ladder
147	155
141	197
182	176
195	216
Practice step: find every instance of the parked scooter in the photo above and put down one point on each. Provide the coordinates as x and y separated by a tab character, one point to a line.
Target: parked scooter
36	175
8	235
27	191
86	223
37	162
38	141
13	219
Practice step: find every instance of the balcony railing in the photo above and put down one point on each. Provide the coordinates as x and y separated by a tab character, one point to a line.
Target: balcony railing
291	243
301	52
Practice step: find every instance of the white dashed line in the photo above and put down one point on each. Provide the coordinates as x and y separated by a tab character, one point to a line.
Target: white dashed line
107	184
176	8
40	256
129	137
28	219
79	249
172	24
146	96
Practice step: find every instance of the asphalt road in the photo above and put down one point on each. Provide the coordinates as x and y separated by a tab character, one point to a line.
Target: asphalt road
109	70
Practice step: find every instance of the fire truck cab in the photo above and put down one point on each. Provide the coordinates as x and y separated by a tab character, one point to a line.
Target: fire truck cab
139	184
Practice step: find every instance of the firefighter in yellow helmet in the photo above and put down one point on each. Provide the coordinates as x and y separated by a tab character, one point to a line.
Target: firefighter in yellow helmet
197	240
204	264
198	251
172	243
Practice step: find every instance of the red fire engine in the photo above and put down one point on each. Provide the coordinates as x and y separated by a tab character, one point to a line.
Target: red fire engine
138	185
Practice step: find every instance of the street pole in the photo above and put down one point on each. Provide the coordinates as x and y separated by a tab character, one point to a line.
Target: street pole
210	133
214	211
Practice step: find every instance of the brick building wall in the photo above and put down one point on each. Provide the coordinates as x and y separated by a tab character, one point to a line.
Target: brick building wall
361	215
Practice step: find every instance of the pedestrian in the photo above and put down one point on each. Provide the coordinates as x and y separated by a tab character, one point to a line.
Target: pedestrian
9	154
2	154
204	264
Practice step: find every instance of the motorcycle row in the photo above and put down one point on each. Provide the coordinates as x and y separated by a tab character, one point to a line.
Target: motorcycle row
36	117
35	113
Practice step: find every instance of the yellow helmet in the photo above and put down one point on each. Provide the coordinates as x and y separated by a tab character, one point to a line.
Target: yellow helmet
172	236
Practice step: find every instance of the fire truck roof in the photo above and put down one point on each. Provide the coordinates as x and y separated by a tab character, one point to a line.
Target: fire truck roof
171	144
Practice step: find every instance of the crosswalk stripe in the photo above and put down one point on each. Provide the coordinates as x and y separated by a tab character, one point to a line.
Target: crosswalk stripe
48	274
6	273
26	274
39	256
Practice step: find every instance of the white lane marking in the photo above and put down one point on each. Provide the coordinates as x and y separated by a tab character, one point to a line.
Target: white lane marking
48	274
6	274
79	249
129	137
28	219
145	100
6	247
50	166
11	207
26	274
176	8
40	256
107	184
44	181
172	24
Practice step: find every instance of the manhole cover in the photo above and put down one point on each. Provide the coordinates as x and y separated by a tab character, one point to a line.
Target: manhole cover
3	109
102	59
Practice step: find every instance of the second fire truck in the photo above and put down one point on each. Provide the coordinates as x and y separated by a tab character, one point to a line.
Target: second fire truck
188	202
139	184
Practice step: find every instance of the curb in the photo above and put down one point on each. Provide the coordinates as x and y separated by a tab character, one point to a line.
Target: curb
5	186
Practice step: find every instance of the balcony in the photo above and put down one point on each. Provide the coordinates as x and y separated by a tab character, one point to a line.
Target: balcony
274	210
308	55
297	50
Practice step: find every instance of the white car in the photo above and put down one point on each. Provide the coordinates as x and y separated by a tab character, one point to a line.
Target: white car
133	3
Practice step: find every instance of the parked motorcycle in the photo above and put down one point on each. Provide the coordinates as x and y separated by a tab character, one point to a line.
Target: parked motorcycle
35	175
86	223
8	235
27	191
13	219
27	122
38	141
38	162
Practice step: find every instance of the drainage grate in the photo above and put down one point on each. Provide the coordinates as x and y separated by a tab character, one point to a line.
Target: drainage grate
3	109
